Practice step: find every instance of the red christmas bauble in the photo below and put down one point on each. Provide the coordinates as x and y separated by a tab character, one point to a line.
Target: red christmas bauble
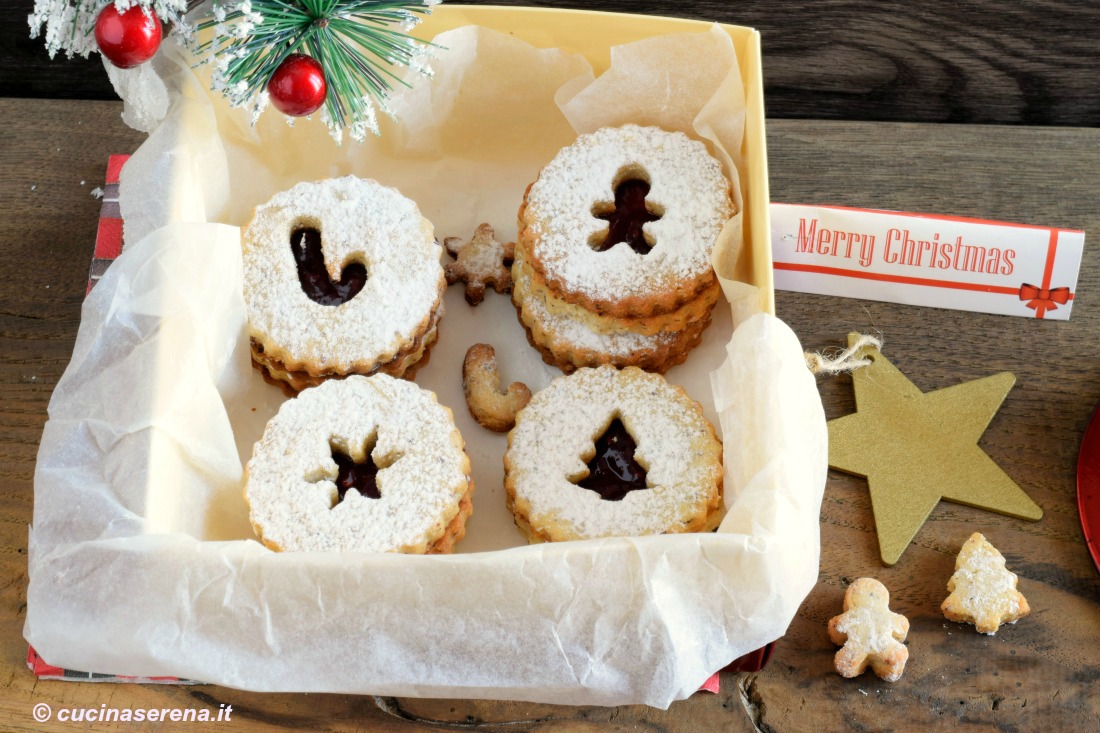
127	39
298	88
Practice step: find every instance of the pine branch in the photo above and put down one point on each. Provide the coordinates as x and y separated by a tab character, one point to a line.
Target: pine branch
69	25
360	44
353	40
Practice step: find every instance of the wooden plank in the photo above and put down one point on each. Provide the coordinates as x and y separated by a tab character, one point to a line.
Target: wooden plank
1038	674
940	61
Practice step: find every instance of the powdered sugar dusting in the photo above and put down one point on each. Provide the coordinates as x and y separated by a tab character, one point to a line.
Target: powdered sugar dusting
686	186
871	628
676	445
291	486
563	334
360	221
982	589
484	261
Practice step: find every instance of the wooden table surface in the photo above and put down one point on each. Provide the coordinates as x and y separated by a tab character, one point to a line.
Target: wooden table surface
935	61
1039	674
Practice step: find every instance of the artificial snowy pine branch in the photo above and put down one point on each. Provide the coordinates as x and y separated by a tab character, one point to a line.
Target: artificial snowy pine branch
70	24
359	43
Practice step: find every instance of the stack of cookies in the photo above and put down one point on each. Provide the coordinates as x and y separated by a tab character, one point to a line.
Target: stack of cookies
612	264
611	452
341	277
370	464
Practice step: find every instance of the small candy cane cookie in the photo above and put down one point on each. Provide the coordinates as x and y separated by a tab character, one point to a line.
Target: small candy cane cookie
612	453
492	408
365	463
870	632
983	591
479	262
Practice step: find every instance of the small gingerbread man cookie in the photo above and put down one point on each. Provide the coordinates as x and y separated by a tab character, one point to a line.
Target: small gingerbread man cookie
491	407
983	591
870	632
479	262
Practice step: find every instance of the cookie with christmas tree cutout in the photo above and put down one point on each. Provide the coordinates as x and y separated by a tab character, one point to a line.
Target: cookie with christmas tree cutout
983	591
606	452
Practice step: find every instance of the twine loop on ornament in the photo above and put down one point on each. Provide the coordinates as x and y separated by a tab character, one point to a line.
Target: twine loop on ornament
845	361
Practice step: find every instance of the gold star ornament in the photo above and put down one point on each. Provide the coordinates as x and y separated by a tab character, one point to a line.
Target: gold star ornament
916	448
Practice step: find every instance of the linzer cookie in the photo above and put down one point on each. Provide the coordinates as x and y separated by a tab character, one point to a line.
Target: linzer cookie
623	221
365	463
567	338
682	317
404	365
340	277
606	452
615	240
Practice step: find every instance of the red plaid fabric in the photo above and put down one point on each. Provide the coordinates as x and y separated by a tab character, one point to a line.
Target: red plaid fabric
108	237
44	671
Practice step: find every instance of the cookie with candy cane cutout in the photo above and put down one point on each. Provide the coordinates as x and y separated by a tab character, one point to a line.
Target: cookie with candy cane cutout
341	277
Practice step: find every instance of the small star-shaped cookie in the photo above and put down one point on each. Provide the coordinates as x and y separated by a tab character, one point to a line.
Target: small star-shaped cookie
479	262
870	632
983	591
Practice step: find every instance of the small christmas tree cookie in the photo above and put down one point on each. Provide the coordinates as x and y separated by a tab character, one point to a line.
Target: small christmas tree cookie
983	591
870	632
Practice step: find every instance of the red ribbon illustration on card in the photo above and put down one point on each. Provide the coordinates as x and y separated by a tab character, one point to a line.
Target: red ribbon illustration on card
1038	297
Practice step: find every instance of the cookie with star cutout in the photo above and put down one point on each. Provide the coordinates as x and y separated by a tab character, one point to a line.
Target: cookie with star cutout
372	464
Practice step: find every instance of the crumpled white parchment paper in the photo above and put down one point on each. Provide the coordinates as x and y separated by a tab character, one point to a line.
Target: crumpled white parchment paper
142	561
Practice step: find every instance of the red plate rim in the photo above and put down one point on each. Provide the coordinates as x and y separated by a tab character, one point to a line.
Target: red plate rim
1088	486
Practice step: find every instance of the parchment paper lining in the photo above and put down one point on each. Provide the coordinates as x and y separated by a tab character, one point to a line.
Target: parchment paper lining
140	557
